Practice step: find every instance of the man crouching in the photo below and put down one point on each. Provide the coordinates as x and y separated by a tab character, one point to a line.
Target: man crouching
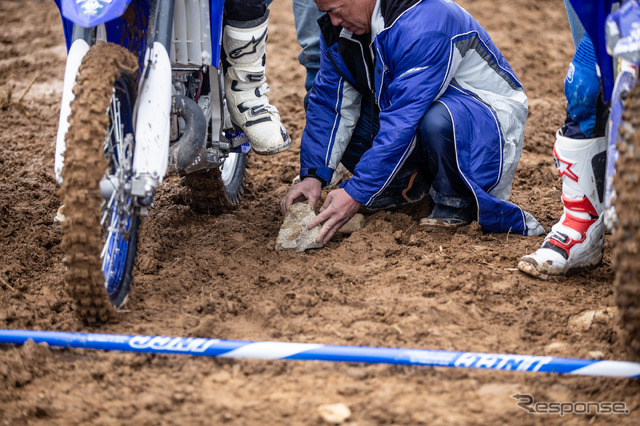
413	98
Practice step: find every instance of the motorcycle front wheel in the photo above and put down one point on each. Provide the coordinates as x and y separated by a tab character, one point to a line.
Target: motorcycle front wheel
626	235
101	225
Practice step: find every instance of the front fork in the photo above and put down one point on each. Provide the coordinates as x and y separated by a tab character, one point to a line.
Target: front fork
153	105
82	37
626	78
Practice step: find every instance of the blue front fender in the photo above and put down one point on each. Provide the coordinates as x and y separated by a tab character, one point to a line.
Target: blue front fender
117	28
91	13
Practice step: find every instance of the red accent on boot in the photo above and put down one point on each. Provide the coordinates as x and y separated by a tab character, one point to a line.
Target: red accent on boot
583	205
564	169
577	224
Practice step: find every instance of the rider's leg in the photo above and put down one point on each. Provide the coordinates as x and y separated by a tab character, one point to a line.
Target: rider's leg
577	29
244	41
577	240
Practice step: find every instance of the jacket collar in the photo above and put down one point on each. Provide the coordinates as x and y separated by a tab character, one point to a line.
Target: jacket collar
377	21
392	9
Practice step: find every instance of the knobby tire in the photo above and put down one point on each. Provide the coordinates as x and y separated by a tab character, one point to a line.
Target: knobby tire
626	238
85	165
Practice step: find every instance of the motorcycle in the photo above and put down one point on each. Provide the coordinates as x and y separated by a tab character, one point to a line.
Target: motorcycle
614	29
143	97
622	194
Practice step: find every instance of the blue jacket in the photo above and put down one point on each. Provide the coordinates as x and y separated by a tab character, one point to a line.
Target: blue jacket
418	52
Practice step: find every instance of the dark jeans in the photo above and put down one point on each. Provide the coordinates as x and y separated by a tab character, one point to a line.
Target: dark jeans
430	168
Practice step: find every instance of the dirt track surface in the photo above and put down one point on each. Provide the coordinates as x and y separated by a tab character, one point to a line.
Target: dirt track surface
217	276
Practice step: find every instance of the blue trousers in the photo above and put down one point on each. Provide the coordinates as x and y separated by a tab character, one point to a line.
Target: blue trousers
577	29
586	112
430	169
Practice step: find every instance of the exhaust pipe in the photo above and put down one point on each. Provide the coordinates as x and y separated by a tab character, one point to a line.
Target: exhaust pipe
185	150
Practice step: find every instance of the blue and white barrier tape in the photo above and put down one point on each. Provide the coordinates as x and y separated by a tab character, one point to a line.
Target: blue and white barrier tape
317	352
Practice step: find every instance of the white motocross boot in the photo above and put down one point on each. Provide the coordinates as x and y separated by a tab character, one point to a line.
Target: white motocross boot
577	240
246	86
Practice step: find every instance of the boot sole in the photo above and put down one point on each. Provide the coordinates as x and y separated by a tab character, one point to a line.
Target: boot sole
530	268
273	150
443	223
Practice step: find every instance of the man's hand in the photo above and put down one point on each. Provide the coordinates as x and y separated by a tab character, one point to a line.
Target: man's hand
309	189
337	209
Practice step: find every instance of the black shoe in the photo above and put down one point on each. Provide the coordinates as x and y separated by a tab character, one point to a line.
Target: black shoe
449	217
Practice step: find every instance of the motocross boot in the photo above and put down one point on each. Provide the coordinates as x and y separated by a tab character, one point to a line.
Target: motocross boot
577	240
246	86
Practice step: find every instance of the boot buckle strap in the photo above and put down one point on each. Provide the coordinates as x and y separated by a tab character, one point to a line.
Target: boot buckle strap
261	110
583	205
255	77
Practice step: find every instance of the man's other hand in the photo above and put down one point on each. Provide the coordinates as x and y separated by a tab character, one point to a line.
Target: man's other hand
337	209
309	189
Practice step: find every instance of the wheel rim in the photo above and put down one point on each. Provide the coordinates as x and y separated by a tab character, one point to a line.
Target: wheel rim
228	168
117	210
